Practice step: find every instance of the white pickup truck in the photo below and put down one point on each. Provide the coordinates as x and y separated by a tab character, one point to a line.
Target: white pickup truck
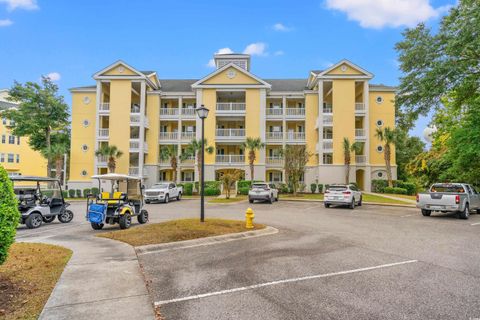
163	192
449	197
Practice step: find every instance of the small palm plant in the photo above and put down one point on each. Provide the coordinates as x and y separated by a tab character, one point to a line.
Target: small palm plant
169	153
388	137
252	145
56	153
228	180
193	150
348	148
112	153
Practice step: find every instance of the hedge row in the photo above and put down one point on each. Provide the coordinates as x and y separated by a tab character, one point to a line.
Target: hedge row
380	186
77	193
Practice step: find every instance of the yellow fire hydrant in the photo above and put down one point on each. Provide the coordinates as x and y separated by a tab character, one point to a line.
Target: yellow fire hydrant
249	218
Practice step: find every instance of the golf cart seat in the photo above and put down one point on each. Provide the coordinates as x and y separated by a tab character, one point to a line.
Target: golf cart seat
113	200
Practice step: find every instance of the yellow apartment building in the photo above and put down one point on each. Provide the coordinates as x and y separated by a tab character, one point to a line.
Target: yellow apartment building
139	112
16	156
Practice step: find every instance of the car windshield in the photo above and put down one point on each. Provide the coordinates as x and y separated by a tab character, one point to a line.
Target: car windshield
454	188
337	188
260	186
160	186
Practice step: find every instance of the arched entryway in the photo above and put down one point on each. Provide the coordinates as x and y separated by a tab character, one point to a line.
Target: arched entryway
360	178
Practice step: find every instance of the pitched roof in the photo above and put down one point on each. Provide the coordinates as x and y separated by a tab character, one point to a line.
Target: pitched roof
7	105
287	84
381	87
147	73
83	88
177	85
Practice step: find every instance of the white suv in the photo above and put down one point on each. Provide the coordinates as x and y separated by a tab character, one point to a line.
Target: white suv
263	191
342	194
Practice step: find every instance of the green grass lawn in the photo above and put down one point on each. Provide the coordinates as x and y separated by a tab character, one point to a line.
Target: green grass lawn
380	199
177	230
403	196
231	200
309	196
366	198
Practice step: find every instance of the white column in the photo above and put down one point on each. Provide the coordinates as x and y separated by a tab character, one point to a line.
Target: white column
366	121
97	123
320	122
199	98
263	103
141	154
179	143
284	121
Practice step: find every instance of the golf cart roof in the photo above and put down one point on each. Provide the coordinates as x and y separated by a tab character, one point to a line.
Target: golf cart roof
114	177
31	178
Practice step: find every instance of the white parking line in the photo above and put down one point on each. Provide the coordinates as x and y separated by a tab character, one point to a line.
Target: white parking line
407	215
265	284
475	224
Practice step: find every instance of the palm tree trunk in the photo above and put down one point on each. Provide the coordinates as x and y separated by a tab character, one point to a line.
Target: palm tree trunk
58	168
111	165
347	172
251	160
48	145
173	163
388	165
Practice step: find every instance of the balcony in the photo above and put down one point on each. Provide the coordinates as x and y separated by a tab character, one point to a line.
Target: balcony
102	161
133	171
229	108
135	146
103	134
360	159
360	134
327	120
168	136
135	119
274	136
188	112
327	146
166	113
295	112
230	159
189	161
188	136
327	108
104	108
230	134
274	113
275	161
360	107
295	136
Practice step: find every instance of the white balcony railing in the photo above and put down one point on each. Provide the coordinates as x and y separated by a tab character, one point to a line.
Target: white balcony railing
230	132
295	111
327	108
359	133
135	119
274	111
188	135
295	135
359	106
231	158
104	107
168	136
169	111
103	133
188	111
327	145
359	159
188	161
133	171
102	160
274	135
327	120
275	160
231	106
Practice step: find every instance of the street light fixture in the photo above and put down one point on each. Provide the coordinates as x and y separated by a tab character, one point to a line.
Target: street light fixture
202	113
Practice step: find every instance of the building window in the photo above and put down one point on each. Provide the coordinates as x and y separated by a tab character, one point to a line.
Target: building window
86	100
18	140
84	148
86	123
379	99
10	158
11	139
380	174
2	157
379	123
379	148
84	173
327	158
4	120
18	158
3	138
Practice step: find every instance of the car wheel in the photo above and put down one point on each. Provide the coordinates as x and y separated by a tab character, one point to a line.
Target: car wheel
66	216
276	199
270	199
360	202
179	197
143	217
34	221
97	226
426	213
465	213
327	205
166	199
250	200
147	201
48	219
125	221
352	205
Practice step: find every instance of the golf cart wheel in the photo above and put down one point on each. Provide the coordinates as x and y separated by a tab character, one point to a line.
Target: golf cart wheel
125	221
48	219
66	216
426	213
97	226
179	197
143	217
352	205
34	221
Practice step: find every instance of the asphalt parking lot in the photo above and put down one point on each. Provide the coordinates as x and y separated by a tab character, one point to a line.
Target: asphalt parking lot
373	262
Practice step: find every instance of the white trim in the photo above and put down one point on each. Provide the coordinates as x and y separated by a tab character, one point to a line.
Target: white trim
82	90
115	64
141	154
140	76
349	63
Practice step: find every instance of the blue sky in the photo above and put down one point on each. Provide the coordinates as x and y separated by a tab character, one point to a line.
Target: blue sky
71	40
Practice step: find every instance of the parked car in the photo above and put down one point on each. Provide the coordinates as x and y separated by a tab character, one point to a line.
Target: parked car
40	200
263	191
163	192
449	197
342	194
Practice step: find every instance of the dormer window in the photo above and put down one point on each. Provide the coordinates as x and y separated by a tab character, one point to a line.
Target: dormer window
240	60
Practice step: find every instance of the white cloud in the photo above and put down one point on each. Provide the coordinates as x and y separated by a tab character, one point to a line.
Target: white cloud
20	4
281	27
211	62
54	76
256	49
6	23
381	13
278	53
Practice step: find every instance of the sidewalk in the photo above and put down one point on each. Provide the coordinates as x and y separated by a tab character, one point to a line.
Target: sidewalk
102	280
392	197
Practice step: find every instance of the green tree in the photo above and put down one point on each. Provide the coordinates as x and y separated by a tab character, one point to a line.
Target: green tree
387	137
112	153
348	148
55	154
435	65
193	150
406	149
41	113
252	145
169	153
228	180
296	158
9	215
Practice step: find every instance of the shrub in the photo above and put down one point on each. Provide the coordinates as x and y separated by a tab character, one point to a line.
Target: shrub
327	186
354	184
379	185
65	194
86	192
47	193
320	188
410	187
243	190
213	184
95	191
313	187
188	189
71	193
283	188
78	193
196	185
395	190
301	187
244	184
9	215
211	192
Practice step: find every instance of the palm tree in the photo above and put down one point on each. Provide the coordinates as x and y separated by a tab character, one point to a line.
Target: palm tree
112	153
252	145
388	137
193	149
228	180
348	148
169	152
55	153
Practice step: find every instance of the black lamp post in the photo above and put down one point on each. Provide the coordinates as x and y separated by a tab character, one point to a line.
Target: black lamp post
202	113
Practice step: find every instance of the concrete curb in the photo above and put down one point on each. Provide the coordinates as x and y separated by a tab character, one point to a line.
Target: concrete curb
154	248
369	203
